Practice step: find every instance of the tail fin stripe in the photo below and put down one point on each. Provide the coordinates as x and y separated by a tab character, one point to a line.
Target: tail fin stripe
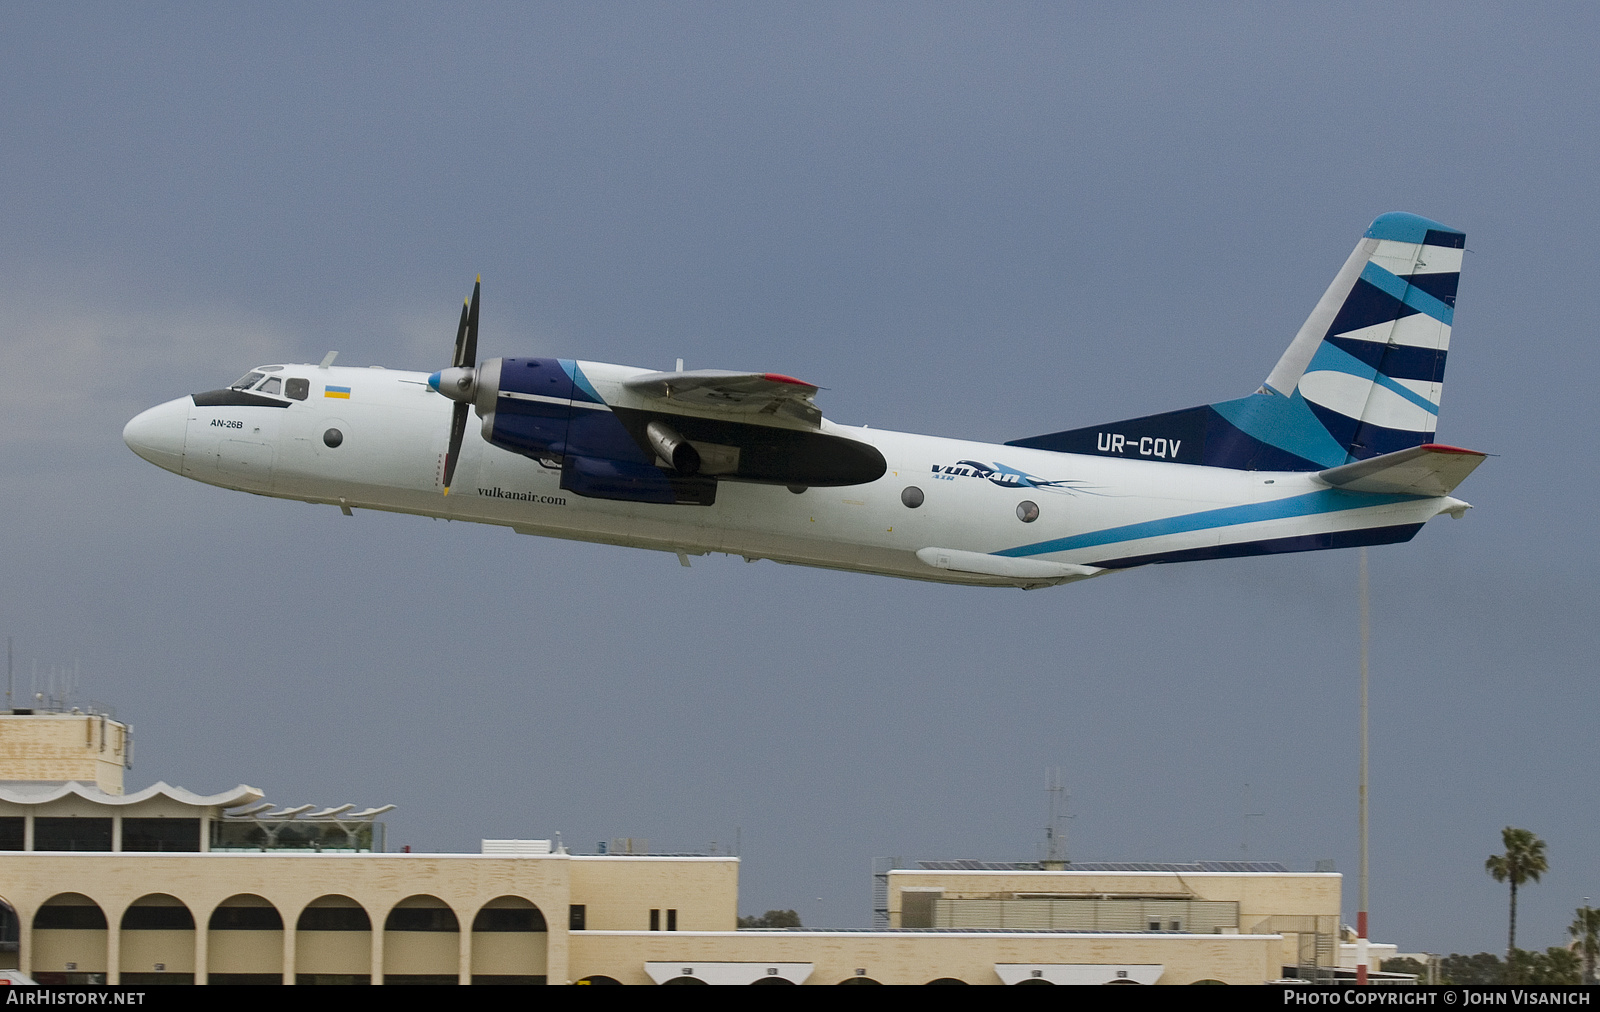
1397	360
1331	359
1441	286
1367	307
1403	291
1413	330
1282	423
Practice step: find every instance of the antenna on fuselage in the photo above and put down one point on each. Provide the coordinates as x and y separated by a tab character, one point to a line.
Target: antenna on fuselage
327	360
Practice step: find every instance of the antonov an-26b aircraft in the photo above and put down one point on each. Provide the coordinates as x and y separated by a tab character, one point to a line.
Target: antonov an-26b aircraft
1334	450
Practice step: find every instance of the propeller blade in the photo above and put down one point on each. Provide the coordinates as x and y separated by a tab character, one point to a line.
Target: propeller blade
461	377
458	428
470	351
461	338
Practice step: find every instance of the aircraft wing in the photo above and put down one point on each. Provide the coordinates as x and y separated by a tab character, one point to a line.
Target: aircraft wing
744	395
742	426
1430	469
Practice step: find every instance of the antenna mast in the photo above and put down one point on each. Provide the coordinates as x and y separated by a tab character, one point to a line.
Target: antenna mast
1055	841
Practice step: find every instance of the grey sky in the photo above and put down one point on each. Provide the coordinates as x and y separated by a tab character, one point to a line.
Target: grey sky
970	220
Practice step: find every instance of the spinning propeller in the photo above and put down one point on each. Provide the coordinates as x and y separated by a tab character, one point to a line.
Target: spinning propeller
460	381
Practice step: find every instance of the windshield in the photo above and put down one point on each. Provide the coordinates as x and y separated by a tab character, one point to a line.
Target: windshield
246	381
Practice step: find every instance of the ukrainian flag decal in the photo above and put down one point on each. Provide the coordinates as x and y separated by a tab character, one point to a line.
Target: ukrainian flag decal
340	392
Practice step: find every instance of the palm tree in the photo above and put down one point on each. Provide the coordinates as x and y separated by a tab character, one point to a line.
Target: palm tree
1523	860
1585	929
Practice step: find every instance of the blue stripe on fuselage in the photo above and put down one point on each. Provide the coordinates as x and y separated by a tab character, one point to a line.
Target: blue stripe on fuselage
580	383
1310	504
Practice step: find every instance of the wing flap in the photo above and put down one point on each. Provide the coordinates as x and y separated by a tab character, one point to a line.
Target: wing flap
1429	469
734	393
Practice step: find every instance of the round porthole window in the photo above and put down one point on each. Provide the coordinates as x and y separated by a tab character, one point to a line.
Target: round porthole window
1027	511
911	495
333	437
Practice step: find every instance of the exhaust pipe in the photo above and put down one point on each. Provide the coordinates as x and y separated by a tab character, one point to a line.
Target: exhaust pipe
673	448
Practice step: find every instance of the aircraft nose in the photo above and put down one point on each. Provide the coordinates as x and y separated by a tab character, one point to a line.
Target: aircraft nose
157	434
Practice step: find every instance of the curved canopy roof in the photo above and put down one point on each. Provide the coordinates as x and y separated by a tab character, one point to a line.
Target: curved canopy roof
28	794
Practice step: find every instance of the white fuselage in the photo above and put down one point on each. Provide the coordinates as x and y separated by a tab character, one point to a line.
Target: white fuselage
394	432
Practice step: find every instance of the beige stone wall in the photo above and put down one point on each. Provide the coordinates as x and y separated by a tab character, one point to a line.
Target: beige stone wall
421	952
620	891
1262	896
245	952
57	949
616	891
1259	895
909	958
328	952
62	746
142	950
498	952
704	891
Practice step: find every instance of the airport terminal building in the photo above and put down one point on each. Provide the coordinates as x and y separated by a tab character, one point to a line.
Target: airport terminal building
167	886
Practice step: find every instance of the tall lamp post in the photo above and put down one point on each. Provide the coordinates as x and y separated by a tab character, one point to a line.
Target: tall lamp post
1361	912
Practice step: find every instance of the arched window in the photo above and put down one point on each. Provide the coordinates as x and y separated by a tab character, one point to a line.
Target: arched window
157	912
509	913
69	912
246	912
422	913
334	913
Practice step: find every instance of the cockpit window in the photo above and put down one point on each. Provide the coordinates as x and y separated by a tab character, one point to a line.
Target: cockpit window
246	381
297	388
271	386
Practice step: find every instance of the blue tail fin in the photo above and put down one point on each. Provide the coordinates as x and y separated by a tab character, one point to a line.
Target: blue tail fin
1363	377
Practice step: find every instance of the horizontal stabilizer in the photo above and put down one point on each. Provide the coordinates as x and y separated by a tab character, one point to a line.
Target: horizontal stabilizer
1429	469
1002	566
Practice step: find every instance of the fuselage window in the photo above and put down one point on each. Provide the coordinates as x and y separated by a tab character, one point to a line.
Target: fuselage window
246	381
271	386
297	388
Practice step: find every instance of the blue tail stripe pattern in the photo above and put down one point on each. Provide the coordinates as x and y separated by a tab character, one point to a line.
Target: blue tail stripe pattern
1312	503
1407	294
1441	286
1394	360
1272	546
1367	381
1335	359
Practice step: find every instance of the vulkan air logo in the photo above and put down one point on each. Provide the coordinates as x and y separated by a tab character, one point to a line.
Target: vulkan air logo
1006	477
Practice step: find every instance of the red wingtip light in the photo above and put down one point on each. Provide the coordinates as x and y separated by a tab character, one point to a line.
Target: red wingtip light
778	377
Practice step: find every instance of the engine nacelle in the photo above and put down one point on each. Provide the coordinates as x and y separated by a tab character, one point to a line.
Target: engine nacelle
525	404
